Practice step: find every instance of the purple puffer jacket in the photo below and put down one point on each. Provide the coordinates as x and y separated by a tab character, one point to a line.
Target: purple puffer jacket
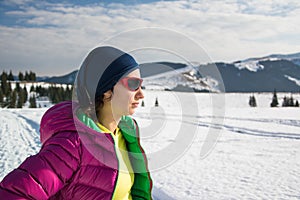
67	166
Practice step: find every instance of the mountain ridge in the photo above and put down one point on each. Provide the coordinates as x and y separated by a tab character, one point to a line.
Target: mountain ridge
264	74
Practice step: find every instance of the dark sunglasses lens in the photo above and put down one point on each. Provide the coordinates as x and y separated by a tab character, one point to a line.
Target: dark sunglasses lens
134	84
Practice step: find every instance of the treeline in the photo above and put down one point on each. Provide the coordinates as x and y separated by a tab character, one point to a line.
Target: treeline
11	98
28	76
287	101
55	93
17	97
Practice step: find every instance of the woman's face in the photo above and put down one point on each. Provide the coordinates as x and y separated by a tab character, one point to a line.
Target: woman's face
124	101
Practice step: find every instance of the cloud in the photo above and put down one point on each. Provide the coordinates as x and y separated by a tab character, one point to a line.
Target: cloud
16	2
56	37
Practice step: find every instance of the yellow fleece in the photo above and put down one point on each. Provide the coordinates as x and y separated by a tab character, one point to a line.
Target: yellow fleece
126	175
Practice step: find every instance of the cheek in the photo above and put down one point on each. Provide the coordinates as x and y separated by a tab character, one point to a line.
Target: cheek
122	99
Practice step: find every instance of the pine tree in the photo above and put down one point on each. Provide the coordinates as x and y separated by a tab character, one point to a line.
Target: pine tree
252	101
143	103
4	76
32	76
10	76
291	101
156	102
32	89
25	94
55	94
4	84
21	97
61	94
71	91
13	99
284	102
68	93
43	91
297	103
9	90
21	76
274	102
50	93
18	88
27	76
1	97
4	87
32	102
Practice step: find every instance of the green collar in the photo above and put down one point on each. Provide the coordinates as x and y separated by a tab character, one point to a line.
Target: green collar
126	125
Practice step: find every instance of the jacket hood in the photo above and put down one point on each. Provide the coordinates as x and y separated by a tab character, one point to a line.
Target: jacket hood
58	118
62	118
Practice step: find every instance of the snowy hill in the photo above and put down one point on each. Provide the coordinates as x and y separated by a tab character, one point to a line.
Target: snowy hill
253	64
282	75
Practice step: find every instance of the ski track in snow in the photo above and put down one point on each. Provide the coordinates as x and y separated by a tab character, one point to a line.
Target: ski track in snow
249	131
289	122
32	127
234	129
23	140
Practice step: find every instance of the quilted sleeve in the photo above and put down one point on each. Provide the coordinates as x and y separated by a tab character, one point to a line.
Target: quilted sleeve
44	174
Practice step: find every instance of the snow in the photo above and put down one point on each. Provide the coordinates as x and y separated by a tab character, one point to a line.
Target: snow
293	79
184	76
251	65
250	153
36	84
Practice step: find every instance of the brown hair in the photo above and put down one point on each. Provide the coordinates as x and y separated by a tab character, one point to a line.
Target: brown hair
92	111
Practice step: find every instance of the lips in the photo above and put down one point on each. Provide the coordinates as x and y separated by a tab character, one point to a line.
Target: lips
135	104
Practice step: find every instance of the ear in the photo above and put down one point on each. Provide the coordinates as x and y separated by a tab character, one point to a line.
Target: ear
107	95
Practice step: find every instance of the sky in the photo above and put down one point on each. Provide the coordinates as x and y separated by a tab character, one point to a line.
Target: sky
52	37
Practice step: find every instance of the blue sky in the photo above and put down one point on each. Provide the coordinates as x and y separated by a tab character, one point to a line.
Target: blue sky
52	37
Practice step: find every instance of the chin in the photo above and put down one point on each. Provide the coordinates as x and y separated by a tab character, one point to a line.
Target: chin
131	111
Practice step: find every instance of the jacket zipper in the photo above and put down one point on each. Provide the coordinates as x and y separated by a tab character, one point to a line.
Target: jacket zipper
116	181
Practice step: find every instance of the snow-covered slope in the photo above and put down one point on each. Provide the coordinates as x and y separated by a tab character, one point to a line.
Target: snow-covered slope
253	64
19	136
184	79
255	152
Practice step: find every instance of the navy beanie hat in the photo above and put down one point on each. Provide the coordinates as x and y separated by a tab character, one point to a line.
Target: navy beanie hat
100	71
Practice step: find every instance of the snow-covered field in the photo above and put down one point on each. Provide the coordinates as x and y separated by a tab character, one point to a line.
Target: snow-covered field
196	151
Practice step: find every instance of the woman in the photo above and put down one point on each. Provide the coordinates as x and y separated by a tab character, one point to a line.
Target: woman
91	147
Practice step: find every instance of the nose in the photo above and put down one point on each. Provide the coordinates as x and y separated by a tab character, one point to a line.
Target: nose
139	94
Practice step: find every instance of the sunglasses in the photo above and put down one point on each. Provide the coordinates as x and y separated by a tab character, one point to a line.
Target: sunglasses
132	83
